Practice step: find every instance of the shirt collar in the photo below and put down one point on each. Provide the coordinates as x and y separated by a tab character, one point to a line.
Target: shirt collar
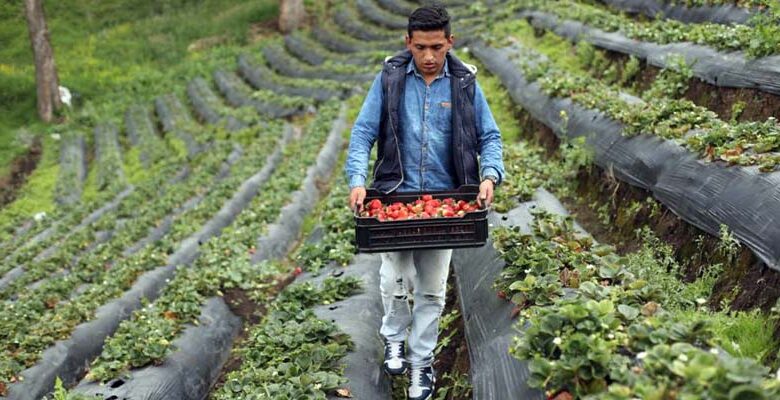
412	68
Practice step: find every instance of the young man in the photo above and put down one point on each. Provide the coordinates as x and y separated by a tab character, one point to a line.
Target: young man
435	131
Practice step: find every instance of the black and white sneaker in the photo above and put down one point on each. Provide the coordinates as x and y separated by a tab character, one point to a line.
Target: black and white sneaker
395	358
422	383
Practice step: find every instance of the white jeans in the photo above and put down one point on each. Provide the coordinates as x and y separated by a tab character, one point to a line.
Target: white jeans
425	272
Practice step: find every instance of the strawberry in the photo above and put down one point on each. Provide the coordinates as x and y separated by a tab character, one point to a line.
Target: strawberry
297	271
433	203
375	204
427	197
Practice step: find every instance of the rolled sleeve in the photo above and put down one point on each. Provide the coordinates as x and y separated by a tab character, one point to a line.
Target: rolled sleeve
364	134
357	181
491	148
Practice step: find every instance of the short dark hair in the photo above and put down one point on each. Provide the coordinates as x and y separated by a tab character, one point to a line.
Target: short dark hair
430	18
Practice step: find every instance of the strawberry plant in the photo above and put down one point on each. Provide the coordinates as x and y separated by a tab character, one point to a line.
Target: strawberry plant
52	311
292	354
760	42
603	331
224	263
697	128
337	245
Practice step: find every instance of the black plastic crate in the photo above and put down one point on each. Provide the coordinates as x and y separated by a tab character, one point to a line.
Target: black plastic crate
374	236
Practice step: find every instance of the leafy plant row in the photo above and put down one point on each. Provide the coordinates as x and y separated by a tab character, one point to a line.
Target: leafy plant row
758	39
53	296
255	71
143	136
53	226
109	167
760	4
107	236
223	263
78	251
37	260
177	121
337	244
73	168
744	143
305	47
239	94
283	62
292	354
48	313
600	326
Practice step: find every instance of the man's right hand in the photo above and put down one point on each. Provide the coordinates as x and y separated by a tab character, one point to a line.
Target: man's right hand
356	197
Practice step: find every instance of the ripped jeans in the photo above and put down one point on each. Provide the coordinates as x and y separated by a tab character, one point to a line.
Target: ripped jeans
425	273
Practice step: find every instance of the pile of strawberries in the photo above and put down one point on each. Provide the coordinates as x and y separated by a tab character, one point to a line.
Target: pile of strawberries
423	208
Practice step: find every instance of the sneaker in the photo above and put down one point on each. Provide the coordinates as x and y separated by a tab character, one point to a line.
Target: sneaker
422	383
395	361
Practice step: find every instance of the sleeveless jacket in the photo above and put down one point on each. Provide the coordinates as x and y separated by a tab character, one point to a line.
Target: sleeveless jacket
388	170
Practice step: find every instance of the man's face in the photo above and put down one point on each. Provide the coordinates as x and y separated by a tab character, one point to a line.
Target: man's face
429	49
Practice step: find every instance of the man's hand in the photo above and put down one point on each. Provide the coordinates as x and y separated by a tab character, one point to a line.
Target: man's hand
485	197
356	197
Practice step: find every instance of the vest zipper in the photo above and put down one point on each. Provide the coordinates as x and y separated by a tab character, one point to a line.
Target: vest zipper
397	151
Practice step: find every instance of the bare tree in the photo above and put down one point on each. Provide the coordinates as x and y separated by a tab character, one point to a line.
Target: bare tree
291	15
45	70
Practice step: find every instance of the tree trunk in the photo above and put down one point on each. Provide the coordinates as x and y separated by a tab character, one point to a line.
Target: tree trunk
45	70
291	15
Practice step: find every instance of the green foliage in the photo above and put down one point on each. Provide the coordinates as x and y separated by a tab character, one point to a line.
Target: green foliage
746	143
223	263
672	82
337	245
292	354
111	52
458	386
631	69
38	194
760	38
602	326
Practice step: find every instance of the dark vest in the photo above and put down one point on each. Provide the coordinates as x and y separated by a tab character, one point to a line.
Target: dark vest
388	171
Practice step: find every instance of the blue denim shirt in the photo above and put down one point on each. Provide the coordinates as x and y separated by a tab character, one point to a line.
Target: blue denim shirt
425	131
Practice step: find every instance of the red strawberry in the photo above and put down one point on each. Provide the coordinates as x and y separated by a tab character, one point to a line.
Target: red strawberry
427	197
375	204
297	271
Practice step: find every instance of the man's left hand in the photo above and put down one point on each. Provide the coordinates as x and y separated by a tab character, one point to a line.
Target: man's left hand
485	197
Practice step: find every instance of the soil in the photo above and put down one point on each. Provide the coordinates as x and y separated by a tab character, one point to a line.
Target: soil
21	167
454	358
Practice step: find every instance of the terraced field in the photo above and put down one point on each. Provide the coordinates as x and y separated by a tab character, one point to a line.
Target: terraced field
226	267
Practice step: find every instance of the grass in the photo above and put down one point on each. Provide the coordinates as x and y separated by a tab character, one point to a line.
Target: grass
111	51
38	193
110	54
557	49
